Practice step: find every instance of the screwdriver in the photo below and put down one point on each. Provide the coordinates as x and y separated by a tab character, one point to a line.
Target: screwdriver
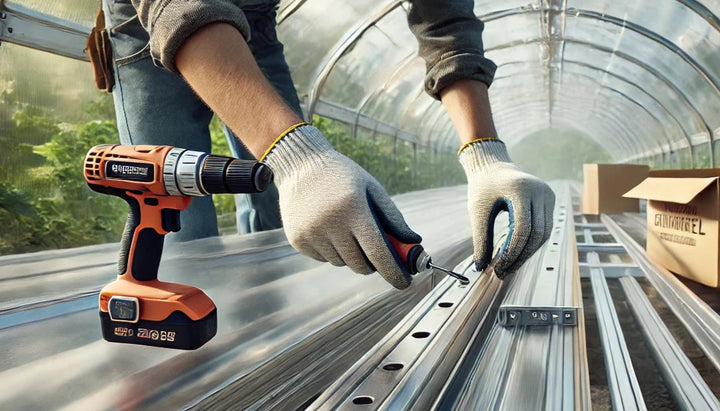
416	259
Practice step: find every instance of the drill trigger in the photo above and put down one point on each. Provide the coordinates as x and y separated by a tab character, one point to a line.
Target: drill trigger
170	219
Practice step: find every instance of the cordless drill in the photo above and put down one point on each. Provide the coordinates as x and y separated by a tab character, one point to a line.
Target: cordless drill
158	182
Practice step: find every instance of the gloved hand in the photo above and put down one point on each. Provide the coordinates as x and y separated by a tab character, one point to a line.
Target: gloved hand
333	210
496	184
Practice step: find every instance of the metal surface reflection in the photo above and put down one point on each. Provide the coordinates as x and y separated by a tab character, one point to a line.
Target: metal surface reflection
272	304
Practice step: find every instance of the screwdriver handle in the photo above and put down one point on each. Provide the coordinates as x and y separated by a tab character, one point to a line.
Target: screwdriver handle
415	259
410	254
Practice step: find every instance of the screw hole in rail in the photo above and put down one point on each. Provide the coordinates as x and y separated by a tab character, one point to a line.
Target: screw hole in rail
393	366
421	334
363	400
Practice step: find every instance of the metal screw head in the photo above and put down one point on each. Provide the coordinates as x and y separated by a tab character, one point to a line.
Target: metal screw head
568	315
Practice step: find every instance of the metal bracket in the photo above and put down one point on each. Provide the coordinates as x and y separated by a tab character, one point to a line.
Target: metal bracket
521	316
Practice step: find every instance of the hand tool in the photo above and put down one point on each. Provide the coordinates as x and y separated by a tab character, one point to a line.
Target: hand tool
416	259
158	182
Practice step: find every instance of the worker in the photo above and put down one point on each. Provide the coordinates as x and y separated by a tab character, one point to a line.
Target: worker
332	209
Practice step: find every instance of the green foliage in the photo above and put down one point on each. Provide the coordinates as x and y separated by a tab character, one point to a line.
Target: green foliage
224	204
44	200
557	154
396	164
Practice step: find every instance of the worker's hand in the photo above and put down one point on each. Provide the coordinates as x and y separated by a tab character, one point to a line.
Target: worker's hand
333	210
496	184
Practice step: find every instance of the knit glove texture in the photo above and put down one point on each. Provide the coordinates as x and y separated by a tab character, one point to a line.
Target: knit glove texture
495	184
333	210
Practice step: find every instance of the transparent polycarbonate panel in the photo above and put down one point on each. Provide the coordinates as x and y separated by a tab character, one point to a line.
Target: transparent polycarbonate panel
31	78
671	20
77	11
391	103
50	115
511	29
673	125
670	126
372	62
635	127
487	9
316	29
633	70
630	45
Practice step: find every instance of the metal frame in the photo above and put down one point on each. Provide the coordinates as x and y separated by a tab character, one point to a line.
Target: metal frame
686	384
452	353
26	27
337	52
700	320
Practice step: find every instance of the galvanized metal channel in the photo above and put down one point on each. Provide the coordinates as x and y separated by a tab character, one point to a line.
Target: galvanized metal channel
418	352
451	352
536	366
624	388
686	385
700	320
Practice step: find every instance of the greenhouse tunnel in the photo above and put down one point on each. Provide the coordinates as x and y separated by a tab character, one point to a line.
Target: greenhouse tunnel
577	82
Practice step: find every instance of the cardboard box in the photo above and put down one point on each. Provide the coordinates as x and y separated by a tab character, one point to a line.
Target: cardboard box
682	221
605	184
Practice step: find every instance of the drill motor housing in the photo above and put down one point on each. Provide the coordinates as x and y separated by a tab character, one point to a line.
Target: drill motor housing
158	182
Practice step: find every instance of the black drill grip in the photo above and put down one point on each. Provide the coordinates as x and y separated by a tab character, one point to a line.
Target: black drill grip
148	248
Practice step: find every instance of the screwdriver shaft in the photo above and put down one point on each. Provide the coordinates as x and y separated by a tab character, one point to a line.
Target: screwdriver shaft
463	280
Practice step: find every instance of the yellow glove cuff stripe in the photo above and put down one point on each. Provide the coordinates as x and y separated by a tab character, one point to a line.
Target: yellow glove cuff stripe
283	134
477	140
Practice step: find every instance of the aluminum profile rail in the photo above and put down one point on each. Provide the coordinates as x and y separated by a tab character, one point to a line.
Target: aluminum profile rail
623	385
700	320
687	386
409	366
452	353
534	367
624	388
26	27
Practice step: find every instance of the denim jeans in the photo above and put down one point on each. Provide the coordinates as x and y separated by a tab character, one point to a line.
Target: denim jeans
155	106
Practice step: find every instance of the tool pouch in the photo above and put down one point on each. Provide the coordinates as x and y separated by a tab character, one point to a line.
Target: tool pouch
99	50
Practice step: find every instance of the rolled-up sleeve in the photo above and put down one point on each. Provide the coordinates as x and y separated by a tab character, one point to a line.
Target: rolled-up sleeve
450	41
171	22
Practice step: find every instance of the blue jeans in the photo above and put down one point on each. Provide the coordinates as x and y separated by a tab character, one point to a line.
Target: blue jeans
154	106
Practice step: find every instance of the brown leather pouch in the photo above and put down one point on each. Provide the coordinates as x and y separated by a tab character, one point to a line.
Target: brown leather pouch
99	51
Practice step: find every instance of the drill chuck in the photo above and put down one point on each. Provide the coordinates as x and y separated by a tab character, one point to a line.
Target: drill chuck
196	174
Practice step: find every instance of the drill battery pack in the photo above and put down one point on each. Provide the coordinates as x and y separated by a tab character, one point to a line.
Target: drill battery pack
157	313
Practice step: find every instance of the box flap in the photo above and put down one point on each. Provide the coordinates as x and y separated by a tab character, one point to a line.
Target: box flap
675	190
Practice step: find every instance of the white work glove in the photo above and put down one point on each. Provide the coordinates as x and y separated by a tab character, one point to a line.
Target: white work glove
333	210
495	184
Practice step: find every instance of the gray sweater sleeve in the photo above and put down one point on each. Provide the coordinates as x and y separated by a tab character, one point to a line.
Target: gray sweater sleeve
450	39
171	22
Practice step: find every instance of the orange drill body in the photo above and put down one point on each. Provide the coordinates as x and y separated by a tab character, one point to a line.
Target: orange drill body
158	182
